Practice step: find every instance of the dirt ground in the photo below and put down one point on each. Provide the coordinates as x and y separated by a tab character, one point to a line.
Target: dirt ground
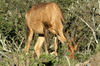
94	61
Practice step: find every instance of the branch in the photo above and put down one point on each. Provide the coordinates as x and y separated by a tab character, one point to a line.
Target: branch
86	24
91	39
20	44
98	28
4	46
68	61
4	55
99	6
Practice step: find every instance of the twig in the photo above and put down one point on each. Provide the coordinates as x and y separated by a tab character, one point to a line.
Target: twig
4	55
92	37
98	28
90	42
99	6
87	25
3	44
20	44
68	61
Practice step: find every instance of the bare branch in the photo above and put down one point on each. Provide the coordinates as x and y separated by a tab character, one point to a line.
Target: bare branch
87	25
4	55
4	46
99	6
21	44
98	28
68	61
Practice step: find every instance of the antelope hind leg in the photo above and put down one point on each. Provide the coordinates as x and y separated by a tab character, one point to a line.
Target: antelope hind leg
29	39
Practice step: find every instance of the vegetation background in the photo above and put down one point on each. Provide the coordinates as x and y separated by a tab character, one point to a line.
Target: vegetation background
82	26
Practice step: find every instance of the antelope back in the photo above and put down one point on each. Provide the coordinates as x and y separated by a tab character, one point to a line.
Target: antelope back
44	14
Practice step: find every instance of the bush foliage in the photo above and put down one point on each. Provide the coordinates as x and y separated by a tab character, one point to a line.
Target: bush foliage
81	25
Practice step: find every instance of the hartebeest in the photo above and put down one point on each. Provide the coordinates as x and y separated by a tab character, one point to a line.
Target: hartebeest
42	18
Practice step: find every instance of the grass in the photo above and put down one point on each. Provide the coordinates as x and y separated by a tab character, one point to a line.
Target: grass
22	59
19	58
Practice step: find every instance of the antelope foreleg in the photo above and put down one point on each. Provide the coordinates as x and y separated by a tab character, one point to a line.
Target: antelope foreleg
38	45
55	47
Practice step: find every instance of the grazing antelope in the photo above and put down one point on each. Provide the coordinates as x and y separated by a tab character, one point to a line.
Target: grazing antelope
42	18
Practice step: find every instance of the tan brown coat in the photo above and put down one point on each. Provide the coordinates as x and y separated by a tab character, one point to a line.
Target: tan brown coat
42	17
